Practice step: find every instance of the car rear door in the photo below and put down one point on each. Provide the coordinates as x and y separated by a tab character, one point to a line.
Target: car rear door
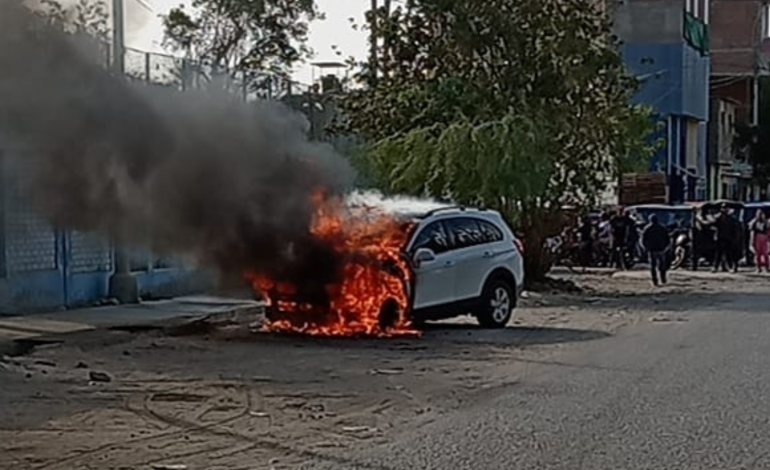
434	280
472	254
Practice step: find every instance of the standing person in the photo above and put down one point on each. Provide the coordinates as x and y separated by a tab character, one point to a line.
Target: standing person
586	239
620	224
727	229
604	240
760	229
656	241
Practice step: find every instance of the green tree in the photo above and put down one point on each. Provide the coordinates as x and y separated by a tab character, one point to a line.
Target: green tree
88	17
518	105
265	35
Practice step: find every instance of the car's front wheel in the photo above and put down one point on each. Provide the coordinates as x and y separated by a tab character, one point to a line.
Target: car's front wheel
497	303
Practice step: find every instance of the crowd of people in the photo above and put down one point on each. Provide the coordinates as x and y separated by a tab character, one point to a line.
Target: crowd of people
617	235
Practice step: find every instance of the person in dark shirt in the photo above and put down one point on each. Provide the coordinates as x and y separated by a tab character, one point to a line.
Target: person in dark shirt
656	241
727	233
621	225
586	237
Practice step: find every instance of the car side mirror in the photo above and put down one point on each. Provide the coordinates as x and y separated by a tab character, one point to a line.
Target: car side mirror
423	255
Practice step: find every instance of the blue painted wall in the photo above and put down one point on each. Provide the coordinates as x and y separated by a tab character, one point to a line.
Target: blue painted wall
675	82
675	78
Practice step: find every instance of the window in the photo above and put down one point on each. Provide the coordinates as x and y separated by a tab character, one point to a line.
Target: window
491	233
465	232
433	237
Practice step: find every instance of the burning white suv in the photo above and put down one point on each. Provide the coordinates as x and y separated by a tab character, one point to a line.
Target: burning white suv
465	261
424	262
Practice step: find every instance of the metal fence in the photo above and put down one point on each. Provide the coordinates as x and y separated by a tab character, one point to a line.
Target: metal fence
184	74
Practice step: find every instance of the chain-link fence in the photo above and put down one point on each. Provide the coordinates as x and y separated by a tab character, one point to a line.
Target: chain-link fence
184	74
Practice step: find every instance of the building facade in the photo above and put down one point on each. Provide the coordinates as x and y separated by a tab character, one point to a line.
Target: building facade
666	45
739	38
729	177
739	31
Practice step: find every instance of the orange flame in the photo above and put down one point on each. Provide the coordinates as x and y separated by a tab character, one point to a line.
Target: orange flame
371	296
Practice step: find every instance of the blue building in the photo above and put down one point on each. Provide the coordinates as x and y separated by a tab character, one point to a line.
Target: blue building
665	44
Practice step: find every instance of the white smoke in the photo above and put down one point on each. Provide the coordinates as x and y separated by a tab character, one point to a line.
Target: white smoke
400	206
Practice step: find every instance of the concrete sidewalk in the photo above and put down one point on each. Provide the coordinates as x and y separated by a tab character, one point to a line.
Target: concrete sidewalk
45	327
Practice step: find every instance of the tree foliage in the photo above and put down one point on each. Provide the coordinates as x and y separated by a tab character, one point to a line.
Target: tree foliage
88	17
266	35
519	105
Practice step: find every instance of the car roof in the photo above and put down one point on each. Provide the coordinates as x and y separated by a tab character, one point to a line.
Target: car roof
660	207
718	202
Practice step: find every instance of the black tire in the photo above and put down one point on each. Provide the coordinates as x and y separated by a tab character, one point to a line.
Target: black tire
390	313
271	314
490	315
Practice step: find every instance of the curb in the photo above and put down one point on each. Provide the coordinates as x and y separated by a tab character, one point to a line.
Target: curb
181	325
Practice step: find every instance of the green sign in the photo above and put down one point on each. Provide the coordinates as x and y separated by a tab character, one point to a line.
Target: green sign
696	33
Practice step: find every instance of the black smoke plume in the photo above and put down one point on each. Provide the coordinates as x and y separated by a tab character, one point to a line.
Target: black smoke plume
200	174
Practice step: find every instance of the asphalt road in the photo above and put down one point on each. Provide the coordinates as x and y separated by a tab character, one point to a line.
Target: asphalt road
692	392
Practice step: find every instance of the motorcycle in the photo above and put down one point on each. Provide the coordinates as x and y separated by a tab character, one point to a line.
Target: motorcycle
682	249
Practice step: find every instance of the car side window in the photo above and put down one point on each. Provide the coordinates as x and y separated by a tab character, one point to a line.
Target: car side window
433	237
491	233
466	232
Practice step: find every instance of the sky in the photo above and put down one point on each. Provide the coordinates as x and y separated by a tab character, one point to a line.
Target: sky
144	30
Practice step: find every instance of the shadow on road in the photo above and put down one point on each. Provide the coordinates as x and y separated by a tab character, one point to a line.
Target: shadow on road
436	336
512	336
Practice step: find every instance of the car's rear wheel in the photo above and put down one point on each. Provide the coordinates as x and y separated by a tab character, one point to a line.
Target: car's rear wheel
497	303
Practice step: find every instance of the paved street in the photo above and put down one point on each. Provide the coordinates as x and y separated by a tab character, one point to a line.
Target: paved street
621	376
689	392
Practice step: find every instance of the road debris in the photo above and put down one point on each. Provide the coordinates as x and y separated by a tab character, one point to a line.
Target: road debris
95	376
360	431
386	371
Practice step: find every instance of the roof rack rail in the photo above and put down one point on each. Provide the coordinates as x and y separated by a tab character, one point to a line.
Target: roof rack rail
441	209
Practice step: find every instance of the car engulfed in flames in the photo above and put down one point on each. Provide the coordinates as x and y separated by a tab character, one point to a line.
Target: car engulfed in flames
368	295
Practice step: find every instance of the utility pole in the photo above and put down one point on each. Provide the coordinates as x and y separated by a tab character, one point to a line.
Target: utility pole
118	36
123	286
374	31
760	31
